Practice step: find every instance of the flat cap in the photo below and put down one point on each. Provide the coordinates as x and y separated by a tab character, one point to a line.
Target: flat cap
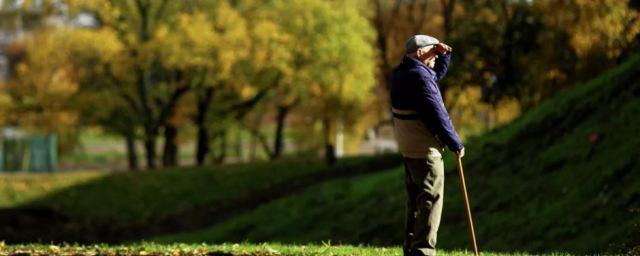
418	41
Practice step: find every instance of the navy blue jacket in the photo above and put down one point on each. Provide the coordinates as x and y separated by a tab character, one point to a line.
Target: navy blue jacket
414	87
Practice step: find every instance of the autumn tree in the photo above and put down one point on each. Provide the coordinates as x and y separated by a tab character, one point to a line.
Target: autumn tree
208	43
318	60
154	92
333	53
47	80
271	65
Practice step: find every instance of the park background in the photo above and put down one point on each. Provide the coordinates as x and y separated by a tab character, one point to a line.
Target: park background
233	121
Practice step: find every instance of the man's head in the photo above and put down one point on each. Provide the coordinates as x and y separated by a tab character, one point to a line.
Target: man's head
423	48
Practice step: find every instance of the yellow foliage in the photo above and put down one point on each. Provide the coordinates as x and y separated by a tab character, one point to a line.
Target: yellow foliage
46	80
471	116
605	25
199	40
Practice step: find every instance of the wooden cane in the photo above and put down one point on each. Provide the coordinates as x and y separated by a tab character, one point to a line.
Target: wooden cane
466	201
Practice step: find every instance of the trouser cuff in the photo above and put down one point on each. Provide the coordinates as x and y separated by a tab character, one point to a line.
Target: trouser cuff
425	252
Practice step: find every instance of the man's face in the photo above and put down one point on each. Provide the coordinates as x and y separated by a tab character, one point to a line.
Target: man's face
427	55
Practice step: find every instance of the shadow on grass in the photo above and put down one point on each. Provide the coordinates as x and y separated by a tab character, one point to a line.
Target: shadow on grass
40	221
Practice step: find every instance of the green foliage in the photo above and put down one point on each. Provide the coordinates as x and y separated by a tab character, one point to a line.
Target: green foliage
323	58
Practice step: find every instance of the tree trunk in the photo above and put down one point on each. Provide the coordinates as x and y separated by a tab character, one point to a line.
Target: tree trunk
222	148
202	145
262	141
283	111
144	79
150	148
150	130
131	152
381	25
329	149
448	7
170	152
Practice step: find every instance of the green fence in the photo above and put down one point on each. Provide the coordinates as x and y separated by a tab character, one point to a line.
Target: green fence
34	153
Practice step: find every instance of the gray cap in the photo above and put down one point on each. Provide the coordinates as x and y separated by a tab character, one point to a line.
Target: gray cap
418	41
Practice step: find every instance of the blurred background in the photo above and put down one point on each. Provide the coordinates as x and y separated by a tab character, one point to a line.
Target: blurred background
240	109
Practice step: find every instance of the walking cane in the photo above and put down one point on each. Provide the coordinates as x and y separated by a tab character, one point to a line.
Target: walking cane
466	201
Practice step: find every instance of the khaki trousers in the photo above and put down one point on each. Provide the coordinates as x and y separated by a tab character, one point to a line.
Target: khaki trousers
424	180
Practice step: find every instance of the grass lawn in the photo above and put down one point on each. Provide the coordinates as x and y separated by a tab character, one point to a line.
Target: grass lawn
136	196
20	188
244	249
93	207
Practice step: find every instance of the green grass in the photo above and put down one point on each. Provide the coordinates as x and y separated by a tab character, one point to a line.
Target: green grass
538	184
125	197
19	188
227	249
346	211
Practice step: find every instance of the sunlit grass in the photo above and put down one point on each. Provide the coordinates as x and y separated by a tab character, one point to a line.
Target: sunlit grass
245	249
21	187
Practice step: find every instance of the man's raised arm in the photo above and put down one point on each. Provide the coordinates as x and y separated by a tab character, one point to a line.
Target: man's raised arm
442	65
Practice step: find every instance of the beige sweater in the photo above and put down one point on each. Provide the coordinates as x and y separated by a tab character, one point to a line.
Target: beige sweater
413	138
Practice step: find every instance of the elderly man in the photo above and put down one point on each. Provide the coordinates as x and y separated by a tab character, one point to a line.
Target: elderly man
422	129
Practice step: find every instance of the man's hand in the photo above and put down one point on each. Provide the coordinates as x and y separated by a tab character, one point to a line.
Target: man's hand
460	153
442	48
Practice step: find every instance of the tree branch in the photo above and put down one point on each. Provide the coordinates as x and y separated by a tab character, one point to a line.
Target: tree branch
169	108
262	140
117	83
242	108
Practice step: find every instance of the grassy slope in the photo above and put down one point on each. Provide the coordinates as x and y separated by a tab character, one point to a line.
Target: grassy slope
124	197
537	184
18	188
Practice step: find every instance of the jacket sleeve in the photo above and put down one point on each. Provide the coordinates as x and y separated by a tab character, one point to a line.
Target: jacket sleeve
442	65
431	106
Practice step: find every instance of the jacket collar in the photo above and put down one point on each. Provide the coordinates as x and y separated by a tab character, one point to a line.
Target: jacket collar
413	62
